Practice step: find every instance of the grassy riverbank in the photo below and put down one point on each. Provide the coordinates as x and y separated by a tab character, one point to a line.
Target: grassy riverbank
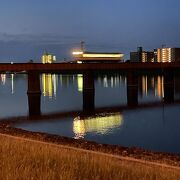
21	159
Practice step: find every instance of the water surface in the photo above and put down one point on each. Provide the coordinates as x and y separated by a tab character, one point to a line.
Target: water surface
152	123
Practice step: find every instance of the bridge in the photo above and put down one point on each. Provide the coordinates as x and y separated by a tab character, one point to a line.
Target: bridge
88	70
80	68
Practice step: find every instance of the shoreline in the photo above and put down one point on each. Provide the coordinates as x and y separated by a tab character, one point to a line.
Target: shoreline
117	150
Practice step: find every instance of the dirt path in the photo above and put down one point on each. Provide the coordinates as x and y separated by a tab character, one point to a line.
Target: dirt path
129	159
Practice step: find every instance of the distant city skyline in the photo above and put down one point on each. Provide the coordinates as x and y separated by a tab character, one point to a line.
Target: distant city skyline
28	28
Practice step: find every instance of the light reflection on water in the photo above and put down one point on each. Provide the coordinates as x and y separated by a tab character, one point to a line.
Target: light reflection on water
147	85
151	128
49	85
101	124
153	84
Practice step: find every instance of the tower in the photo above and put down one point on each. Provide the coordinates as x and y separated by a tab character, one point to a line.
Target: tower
82	46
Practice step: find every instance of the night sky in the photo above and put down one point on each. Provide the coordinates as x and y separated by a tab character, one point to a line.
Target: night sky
29	27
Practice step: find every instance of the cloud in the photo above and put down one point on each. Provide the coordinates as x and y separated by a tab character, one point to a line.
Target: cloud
21	47
43	39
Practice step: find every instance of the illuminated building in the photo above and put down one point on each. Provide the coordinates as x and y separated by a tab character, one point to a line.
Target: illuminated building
101	124
48	58
155	55
82	57
142	56
168	54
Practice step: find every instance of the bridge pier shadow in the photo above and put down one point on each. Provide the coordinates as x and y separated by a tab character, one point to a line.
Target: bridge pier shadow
88	92
168	86
132	88
34	94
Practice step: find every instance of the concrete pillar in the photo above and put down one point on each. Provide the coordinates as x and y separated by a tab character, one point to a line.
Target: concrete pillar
88	92
132	88
168	86
33	82
34	102
34	93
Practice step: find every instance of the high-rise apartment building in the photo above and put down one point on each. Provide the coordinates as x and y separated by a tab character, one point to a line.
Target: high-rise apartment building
168	54
142	56
48	58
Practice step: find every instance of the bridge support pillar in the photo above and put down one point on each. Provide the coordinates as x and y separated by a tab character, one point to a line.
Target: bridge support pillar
88	92
132	88
33	82
34	93
34	102
168	86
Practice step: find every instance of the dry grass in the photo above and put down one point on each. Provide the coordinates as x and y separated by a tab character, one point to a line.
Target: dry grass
21	159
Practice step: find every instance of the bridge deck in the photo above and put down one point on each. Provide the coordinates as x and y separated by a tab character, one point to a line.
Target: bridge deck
77	68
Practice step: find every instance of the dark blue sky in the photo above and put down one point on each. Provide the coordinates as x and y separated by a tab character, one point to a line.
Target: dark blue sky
28	27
